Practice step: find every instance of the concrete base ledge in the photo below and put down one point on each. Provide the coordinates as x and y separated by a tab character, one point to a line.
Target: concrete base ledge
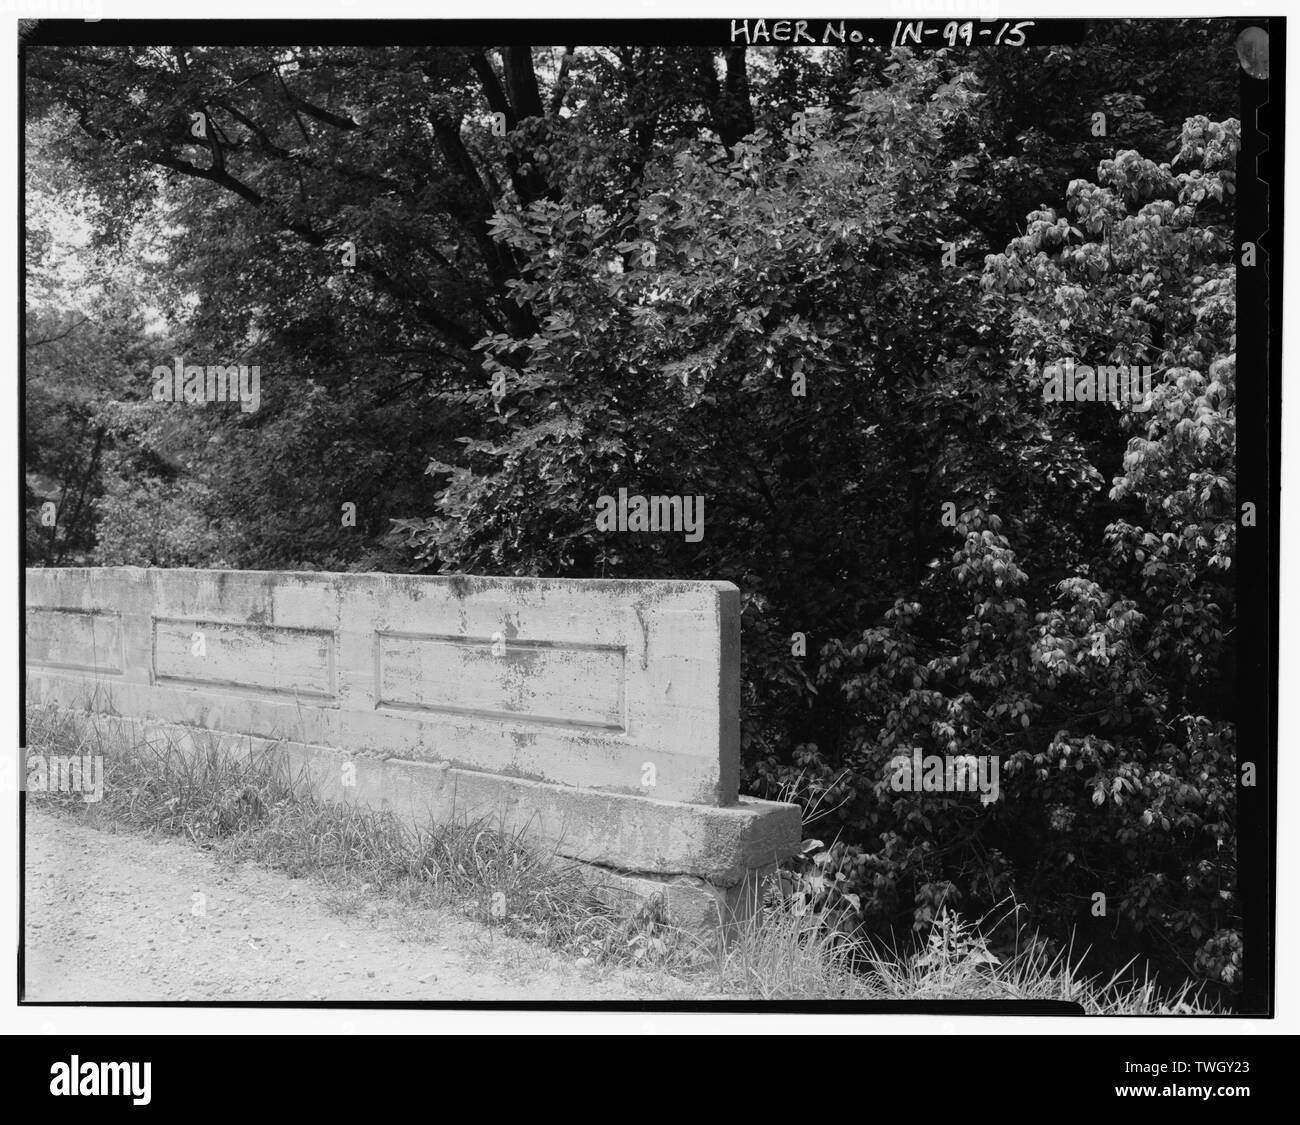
615	830
691	903
701	855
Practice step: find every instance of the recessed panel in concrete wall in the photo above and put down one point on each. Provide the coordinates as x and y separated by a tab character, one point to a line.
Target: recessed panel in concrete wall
75	639
546	682
257	658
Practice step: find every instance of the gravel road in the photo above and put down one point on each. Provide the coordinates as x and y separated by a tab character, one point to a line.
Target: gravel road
116	916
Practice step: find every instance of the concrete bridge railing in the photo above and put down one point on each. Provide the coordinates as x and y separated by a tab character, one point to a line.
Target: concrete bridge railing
603	716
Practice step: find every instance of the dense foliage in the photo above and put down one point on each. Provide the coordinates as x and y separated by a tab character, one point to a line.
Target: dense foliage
819	291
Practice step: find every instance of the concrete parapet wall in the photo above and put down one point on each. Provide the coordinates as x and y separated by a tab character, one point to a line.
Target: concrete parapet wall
603	716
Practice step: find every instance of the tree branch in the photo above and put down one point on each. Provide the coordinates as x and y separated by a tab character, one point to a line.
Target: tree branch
561	84
52	339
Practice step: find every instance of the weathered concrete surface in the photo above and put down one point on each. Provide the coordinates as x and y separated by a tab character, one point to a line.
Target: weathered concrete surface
609	829
613	831
691	903
601	716
607	685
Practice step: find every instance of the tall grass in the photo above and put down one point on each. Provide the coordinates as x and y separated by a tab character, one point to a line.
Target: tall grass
246	806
